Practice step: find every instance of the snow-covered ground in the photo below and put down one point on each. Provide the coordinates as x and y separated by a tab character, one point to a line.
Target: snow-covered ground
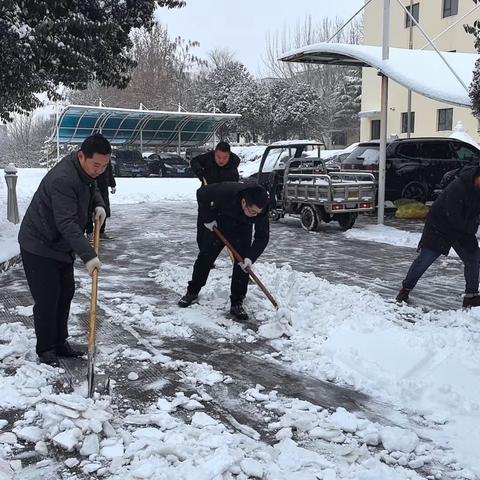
420	416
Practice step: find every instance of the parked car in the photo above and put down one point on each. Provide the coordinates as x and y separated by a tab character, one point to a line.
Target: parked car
415	166
129	163
168	165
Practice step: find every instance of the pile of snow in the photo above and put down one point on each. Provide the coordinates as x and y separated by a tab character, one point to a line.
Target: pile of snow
345	334
460	133
385	234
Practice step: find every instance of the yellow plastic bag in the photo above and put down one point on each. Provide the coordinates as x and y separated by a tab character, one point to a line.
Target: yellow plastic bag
415	210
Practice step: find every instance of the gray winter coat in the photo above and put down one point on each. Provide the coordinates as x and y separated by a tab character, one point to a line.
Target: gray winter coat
55	221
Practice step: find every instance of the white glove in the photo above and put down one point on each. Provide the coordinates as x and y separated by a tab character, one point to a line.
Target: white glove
247	263
210	225
93	264
113	190
100	215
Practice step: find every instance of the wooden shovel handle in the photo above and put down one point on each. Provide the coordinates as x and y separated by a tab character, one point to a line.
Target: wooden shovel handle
92	325
239	259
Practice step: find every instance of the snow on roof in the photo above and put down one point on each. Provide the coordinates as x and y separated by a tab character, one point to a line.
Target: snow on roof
461	134
422	71
283	143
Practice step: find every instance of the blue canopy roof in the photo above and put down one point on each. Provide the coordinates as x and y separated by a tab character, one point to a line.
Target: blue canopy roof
127	127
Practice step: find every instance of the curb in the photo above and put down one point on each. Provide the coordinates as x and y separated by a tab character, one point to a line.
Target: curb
11	262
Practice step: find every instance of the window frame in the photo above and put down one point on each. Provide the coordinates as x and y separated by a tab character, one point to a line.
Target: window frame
442	124
408	20
376	122
452	10
404	122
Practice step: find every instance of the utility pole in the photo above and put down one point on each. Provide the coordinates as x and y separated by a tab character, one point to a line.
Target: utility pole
409	97
383	118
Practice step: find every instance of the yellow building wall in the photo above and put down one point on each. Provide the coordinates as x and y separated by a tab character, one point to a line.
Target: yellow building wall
430	18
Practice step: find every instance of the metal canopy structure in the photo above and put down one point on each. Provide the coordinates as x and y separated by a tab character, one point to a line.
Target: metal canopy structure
421	71
139	128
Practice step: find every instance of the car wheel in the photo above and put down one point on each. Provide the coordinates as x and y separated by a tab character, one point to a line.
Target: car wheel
309	218
415	191
274	215
346	221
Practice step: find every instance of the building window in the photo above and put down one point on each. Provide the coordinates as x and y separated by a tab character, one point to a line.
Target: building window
375	132
405	122
450	8
415	13
445	119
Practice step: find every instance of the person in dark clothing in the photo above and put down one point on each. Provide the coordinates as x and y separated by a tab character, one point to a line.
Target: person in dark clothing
105	180
52	233
219	165
452	222
235	208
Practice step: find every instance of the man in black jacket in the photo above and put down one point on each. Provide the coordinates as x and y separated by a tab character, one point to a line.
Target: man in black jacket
219	165
105	180
452	222
52	233
235	208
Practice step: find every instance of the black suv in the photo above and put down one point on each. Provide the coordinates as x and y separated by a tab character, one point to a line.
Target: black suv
129	163
415	166
168	165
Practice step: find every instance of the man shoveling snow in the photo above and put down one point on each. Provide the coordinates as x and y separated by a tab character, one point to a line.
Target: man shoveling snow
52	233
234	208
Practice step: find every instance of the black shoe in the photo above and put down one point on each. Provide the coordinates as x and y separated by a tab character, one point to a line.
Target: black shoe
187	300
49	357
238	312
105	236
66	350
469	302
403	295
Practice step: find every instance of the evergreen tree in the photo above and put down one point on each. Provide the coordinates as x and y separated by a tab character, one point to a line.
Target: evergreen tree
66	42
475	86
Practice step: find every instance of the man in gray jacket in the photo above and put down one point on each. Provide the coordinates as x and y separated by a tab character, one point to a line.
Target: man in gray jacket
52	233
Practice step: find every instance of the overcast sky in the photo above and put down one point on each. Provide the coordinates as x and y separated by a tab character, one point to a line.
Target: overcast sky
242	25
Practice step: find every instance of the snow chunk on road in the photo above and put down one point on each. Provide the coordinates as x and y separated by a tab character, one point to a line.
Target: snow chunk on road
344	420
396	439
201	420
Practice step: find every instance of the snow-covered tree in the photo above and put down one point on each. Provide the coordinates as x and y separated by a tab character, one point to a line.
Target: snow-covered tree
71	42
348	99
251	99
475	86
295	111
161	78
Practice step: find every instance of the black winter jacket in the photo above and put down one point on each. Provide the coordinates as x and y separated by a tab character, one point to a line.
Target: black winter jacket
205	167
222	202
106	179
55	221
454	216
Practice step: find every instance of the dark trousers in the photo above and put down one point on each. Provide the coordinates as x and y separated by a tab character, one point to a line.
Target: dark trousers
426	257
201	231
210	248
52	286
90	225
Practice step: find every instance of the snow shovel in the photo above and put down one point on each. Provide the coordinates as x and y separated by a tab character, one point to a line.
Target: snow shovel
239	259
92	325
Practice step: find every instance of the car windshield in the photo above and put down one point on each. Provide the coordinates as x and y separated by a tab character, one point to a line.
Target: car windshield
363	155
